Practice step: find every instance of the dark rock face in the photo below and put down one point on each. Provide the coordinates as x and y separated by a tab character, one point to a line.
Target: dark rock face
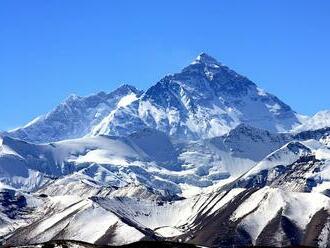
12	203
314	228
217	229
312	134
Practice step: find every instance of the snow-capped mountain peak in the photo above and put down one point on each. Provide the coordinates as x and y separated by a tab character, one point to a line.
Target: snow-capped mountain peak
206	59
206	99
207	66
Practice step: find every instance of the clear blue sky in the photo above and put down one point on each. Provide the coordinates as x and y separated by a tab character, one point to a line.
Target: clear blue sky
50	49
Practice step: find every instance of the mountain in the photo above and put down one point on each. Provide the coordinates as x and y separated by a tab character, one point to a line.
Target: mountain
206	99
76	116
203	157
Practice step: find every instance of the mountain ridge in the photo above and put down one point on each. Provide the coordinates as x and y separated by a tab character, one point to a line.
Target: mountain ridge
207	91
74	117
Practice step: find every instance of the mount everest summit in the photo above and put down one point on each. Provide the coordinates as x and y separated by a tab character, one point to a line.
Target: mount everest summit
203	156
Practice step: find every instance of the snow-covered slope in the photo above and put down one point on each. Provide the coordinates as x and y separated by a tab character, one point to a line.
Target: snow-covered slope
266	216
76	116
148	158
111	161
286	155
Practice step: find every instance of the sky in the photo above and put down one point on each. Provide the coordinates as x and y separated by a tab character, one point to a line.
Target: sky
51	49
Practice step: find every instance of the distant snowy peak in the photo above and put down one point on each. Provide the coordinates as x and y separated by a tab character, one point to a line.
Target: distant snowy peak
76	116
123	90
318	121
